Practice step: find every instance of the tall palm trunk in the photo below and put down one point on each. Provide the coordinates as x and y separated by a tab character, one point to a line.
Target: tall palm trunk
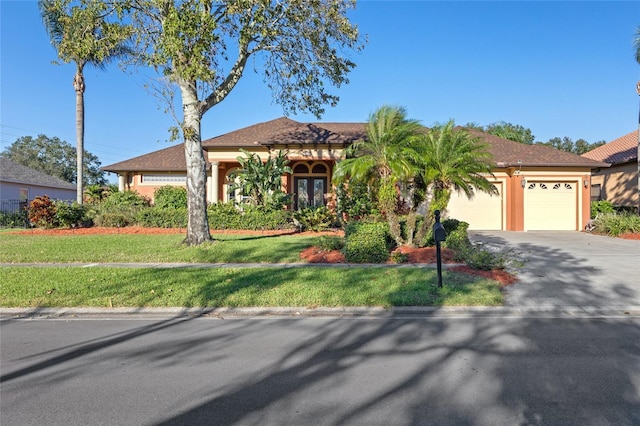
197	223
78	85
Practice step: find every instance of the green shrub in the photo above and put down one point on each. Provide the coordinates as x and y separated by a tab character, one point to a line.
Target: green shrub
229	216
13	219
162	217
71	215
601	207
356	201
367	242
398	257
314	218
120	209
328	243
456	231
170	197
42	212
114	220
478	258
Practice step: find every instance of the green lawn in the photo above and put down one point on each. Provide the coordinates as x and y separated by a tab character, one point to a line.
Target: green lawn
310	286
216	287
24	248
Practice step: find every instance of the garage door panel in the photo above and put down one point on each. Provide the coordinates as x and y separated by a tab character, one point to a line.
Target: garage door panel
550	206
482	212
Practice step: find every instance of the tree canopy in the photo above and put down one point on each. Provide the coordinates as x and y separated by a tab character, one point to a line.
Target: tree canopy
568	145
54	157
201	49
514	132
518	133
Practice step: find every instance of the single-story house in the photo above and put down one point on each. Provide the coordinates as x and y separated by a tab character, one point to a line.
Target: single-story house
18	182
540	188
618	183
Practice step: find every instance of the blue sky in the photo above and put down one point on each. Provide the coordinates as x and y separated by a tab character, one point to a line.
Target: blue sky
558	68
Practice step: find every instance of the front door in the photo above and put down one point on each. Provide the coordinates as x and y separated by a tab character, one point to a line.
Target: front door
309	192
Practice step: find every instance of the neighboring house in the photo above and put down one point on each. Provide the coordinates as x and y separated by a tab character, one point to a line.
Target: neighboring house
540	188
618	183
18	182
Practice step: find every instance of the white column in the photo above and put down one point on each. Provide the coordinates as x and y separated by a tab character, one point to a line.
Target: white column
122	181
215	178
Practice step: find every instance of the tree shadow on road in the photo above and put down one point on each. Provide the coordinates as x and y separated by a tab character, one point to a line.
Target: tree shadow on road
384	370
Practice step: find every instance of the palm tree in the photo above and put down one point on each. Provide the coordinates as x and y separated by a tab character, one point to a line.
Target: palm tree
452	159
385	160
82	35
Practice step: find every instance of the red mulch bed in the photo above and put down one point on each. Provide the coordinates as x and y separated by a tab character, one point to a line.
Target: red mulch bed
635	236
503	277
415	255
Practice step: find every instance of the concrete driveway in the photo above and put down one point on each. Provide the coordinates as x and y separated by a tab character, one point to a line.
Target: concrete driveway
568	269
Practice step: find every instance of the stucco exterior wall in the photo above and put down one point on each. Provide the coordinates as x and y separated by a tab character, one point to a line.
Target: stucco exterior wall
11	191
618	184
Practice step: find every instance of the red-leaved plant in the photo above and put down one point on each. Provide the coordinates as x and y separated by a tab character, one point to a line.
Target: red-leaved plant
42	212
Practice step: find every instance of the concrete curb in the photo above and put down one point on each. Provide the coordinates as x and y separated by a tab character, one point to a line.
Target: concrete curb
343	312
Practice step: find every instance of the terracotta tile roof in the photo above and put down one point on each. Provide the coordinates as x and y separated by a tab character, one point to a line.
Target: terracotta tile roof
284	131
169	159
618	151
17	173
507	153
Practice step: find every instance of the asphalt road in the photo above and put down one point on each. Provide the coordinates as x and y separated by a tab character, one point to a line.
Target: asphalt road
385	370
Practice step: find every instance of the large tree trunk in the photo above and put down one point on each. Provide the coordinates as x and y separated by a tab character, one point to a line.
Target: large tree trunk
78	85
198	223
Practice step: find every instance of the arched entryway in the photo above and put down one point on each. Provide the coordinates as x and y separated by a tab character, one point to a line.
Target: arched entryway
310	184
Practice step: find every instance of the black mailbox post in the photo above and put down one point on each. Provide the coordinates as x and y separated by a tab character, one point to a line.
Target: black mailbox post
439	234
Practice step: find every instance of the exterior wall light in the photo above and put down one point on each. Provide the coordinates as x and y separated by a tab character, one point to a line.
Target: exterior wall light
586	182
523	182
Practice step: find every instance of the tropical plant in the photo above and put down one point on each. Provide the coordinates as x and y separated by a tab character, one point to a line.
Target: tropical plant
451	159
42	212
97	193
261	181
201	50
385	161
81	34
314	218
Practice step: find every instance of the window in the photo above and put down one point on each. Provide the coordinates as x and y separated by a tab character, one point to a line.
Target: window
163	179
596	193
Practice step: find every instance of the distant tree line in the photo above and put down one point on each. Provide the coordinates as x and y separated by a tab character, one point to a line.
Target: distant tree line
54	157
518	133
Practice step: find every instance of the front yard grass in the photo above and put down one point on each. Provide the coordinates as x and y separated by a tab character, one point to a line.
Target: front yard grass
311	286
232	248
247	287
